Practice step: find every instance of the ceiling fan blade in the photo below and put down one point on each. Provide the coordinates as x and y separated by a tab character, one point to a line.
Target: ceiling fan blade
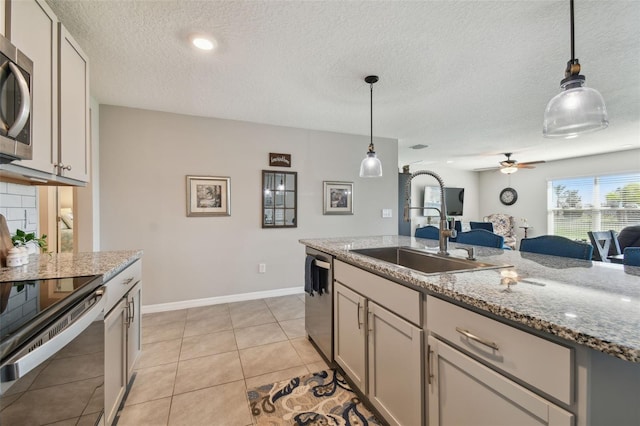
525	166
533	162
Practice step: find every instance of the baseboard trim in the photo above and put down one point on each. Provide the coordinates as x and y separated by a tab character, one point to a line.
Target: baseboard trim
195	303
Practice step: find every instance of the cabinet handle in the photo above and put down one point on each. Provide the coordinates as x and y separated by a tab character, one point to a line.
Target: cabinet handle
133	310
429	364
127	281
61	166
370	322
480	340
358	316
128	317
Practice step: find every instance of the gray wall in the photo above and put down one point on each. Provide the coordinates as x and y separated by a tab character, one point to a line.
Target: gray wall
531	185
144	158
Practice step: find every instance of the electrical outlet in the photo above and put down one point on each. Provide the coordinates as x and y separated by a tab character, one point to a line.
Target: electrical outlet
387	213
262	268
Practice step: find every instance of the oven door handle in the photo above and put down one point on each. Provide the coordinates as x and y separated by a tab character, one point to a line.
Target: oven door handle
14	368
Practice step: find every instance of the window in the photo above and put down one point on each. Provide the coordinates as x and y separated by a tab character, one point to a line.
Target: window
597	203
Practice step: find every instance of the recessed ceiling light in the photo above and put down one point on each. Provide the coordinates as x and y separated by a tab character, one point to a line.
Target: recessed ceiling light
419	146
203	42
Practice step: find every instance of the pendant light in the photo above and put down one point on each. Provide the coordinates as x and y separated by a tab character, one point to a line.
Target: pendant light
371	165
576	109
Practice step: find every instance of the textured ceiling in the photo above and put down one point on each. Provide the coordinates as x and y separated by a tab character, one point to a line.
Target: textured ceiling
470	79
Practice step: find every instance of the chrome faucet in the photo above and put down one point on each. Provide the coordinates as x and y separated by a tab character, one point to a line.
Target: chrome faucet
445	231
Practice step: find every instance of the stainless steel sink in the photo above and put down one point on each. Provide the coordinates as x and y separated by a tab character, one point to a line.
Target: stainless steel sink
423	261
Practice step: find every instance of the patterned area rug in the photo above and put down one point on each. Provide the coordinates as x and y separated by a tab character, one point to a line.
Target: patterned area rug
323	398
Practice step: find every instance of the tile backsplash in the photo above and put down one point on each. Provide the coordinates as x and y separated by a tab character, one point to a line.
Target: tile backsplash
19	205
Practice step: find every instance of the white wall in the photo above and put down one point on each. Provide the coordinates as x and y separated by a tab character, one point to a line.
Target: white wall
531	185
144	159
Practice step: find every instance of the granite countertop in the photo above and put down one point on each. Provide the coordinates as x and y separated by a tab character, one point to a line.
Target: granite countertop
594	304
60	265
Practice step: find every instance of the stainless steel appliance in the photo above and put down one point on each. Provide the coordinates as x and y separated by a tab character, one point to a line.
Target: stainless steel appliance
16	74
318	316
52	351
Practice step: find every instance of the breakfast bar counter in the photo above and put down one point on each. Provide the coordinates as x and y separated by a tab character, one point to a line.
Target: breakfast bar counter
593	304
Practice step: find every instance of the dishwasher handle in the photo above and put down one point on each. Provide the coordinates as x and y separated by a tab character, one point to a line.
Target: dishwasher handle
322	264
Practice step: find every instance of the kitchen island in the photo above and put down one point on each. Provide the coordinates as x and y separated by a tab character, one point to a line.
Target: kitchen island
588	311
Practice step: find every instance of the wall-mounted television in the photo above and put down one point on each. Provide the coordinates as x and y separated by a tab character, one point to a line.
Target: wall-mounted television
453	197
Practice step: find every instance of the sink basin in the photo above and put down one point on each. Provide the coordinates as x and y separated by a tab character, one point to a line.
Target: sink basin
423	261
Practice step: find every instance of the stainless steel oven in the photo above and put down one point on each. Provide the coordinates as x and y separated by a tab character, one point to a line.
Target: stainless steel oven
52	351
16	75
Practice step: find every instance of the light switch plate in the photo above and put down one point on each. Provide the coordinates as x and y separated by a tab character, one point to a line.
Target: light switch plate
387	213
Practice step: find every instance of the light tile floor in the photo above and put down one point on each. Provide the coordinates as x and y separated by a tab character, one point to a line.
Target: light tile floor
197	364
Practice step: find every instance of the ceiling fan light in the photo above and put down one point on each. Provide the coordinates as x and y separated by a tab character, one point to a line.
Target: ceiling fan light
509	170
371	166
575	110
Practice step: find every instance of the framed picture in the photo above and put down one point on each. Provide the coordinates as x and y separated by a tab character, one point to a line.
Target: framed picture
208	196
338	198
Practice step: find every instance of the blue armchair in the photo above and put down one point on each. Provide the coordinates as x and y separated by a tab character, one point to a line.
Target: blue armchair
555	245
487	226
481	237
632	256
430	232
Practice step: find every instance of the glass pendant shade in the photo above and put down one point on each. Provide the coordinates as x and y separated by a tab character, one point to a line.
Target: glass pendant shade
371	166
576	109
509	170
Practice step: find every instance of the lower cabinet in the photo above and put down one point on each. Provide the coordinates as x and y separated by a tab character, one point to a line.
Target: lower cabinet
464	392
382	355
115	380
122	336
134	334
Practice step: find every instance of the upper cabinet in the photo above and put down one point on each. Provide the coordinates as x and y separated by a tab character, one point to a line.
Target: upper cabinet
60	117
34	29
73	147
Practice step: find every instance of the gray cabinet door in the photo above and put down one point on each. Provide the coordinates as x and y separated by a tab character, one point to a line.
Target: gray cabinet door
74	108
395	366
350	334
34	32
114	359
133	330
464	392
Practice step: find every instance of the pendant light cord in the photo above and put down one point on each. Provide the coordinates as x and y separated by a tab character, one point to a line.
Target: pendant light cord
573	46
371	109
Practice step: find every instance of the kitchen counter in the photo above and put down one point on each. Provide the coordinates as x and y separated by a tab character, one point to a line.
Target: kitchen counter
60	265
594	304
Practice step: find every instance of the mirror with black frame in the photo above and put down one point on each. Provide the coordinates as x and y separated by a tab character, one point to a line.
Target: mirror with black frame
279	199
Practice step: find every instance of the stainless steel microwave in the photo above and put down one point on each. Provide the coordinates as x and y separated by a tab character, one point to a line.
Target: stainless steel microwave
16	76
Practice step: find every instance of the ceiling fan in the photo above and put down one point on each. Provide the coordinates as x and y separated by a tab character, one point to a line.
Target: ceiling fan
509	166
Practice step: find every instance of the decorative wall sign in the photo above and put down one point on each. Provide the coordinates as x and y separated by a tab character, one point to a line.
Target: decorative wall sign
208	196
279	160
338	198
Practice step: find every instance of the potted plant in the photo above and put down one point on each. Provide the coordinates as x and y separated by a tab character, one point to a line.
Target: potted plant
29	240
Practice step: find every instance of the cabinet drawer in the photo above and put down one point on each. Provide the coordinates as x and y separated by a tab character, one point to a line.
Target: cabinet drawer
539	362
121	283
395	297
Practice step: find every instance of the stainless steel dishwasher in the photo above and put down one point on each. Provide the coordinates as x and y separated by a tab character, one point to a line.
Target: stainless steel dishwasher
318	316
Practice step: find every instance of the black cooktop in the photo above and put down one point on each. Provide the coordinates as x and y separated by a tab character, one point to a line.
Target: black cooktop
27	307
